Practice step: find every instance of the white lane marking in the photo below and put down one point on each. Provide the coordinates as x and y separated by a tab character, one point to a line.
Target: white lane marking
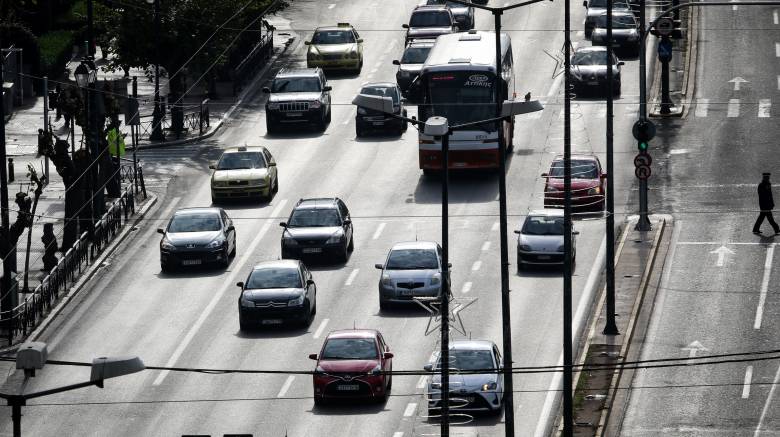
768	402
321	328
494	228
477	264
250	252
350	117
735	7
410	408
398	434
748	378
764	107
466	287
775	18
379	230
286	386
486	246
422	381
778	82
331	6
702	105
351	277
777	49
770	253
373	70
733	108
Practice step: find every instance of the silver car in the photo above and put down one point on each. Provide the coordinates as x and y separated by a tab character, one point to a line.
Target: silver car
412	269
470	392
540	240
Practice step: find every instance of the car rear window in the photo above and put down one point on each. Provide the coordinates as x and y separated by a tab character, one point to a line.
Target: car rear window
580	169
468	359
333	37
310	217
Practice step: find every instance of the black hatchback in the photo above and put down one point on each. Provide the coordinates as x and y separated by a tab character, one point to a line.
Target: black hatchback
196	236
369	120
277	292
318	227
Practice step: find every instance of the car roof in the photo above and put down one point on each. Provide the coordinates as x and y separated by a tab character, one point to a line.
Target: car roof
317	203
244	149
624	12
298	72
591	49
341	26
421	42
430	8
471	345
380	84
546	212
414	245
353	333
198	209
291	263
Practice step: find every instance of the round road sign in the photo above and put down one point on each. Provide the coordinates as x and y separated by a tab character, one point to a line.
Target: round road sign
642	159
664	26
642	172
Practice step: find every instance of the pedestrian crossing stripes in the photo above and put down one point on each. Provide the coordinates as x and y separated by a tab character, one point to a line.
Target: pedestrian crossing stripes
701	107
734	108
764	105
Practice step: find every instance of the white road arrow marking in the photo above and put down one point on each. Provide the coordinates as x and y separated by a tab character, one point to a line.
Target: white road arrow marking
722	251
737	81
694	348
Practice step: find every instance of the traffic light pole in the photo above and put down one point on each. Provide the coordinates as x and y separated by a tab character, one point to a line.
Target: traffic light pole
445	287
643	224
611	327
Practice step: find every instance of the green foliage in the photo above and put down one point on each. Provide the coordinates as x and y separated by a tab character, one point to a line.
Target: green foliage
56	47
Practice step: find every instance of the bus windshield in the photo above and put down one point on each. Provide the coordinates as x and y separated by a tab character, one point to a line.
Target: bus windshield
462	97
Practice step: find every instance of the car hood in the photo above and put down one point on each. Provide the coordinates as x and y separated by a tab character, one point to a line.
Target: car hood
287	97
592	70
351	366
418	32
417	275
601	32
466	383
196	238
541	243
333	48
272	294
240	174
303	233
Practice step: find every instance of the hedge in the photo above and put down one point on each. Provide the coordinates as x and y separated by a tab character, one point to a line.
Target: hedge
56	48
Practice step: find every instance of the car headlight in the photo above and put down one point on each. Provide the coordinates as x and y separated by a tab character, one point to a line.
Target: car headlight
524	247
246	302
289	242
298	301
258	182
335	238
353	55
436	279
220	183
166	244
489	386
315	104
387	281
361	110
313	56
216	243
273	106
551	189
319	370
376	371
594	190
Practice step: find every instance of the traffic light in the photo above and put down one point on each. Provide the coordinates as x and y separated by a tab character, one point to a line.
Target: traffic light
642	146
643	131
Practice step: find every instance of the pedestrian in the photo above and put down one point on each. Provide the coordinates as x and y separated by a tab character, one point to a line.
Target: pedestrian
55	100
766	204
49	247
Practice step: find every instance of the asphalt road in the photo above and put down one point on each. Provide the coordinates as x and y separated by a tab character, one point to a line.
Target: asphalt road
189	319
719	289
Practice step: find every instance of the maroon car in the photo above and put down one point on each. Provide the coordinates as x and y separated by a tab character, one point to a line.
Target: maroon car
351	365
588	183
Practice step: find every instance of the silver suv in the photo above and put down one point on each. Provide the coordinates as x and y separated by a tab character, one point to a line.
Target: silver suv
299	96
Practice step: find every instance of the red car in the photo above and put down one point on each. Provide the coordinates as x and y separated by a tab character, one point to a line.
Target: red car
588	183
351	365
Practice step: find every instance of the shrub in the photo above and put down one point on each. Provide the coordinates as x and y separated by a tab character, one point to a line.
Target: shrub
56	47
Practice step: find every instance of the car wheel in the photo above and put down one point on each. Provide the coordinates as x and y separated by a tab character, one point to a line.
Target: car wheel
275	188
319	401
270	127
328	115
225	258
390	382
307	318
233	253
428	172
617	89
213	200
383	305
520	267
351	246
164	267
359	131
322	124
314	309
344	255
242	325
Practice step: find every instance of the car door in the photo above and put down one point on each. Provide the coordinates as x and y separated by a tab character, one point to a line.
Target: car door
500	364
326	94
387	363
270	164
229	230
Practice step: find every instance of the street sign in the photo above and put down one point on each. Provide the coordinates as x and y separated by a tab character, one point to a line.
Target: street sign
664	26
665	50
642	172
642	159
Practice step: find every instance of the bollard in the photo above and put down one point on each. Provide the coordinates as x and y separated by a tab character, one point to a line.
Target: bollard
10	170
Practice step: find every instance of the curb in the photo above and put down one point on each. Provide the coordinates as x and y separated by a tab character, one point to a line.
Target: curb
87	275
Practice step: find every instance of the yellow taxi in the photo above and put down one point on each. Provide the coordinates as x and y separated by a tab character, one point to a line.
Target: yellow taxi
335	47
247	171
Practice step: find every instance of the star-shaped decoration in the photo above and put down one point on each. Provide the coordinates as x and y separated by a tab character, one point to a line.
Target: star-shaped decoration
559	60
456	305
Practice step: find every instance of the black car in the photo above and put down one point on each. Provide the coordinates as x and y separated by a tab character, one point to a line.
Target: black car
277	292
625	32
367	119
319	226
298	97
411	63
429	22
589	70
463	14
197	236
596	8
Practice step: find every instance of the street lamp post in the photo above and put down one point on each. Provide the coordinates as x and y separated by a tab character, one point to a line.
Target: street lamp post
157	131
6	301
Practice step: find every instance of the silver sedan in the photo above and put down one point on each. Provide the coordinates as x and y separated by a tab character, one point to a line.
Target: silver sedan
412	269
540	240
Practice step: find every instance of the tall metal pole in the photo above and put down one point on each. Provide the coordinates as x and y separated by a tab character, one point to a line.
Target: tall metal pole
157	133
132	137
16	417
46	123
90	30
10	260
445	284
611	327
643	224
568	410
509	411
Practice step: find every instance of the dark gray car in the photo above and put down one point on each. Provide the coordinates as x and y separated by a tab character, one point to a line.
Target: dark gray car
196	236
276	292
411	63
625	32
429	22
463	14
589	70
596	8
318	227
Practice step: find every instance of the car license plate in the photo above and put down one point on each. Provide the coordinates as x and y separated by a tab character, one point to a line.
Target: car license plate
593	82
312	249
406	292
378	123
295	114
541	257
272	322
190	262
349	387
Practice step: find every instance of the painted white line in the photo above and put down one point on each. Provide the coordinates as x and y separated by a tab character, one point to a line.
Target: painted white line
331	6
466	287
398	434
422	381
286	386
764	107
775	18
351	277
733	108
768	402
250	252
477	264
704	243
748	378
702	105
778	82
770	253
410	409
735	7
494	228
777	49
486	246
378	231
320	328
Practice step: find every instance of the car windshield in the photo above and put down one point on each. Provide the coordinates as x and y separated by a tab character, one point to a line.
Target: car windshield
350	349
618	22
200	222
276	277
462	97
590	58
241	160
333	37
382	91
468	359
430	19
412	259
415	55
449	4
296	85
543	225
580	169
314	217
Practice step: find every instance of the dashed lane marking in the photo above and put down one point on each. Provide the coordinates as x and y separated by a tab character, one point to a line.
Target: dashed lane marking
775	18
764	107
286	386
351	277
702	105
770	253
321	328
733	108
466	287
486	246
777	49
494	228
769	398
422	381
378	231
331	6
748	379
410	409
398	434
477	264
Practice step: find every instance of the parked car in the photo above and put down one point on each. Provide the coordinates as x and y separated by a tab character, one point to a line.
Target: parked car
335	47
470	391
299	97
412	269
596	8
625	32
463	14
370	120
277	292
196	236
246	171
589	70
429	22
540	239
588	183
411	63
318	226
353	364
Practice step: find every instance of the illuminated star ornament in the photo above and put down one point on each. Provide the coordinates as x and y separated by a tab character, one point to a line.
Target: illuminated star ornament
456	305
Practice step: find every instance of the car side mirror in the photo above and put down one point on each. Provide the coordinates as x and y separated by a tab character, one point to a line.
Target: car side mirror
240	285
621	63
405	26
360	40
517	232
575	232
379	266
313	357
544	175
347	222
327	88
310	282
428	367
603	175
160	231
283	224
307	43
231	228
272	164
396	62
266	90
388	355
212	167
585	3
449	265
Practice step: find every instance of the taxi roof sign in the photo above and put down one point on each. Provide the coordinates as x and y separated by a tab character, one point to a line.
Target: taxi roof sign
344	25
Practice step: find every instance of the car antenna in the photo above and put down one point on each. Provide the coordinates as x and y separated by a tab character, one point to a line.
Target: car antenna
354	325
